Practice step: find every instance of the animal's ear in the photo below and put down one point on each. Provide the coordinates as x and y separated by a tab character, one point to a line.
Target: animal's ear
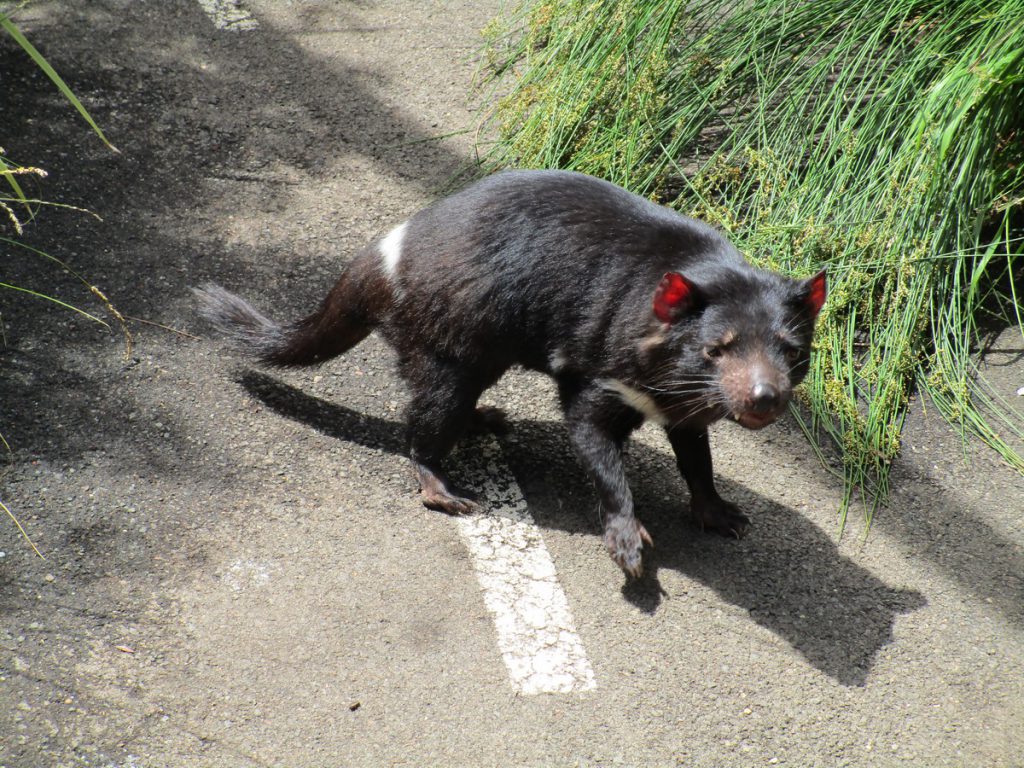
813	292
674	297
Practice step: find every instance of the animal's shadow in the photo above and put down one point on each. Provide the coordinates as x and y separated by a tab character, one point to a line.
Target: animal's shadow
787	574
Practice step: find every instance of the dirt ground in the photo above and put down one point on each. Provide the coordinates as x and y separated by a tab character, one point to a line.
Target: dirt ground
238	571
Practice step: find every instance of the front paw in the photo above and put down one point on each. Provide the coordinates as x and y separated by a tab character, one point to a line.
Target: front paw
625	537
719	516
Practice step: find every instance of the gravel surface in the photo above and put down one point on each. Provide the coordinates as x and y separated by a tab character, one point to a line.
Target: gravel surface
238	570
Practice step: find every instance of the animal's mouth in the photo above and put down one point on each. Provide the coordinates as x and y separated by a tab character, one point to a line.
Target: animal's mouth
752	420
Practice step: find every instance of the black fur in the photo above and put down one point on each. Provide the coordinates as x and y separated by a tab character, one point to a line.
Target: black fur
560	272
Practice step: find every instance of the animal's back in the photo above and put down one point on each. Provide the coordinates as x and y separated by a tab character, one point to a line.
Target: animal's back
520	262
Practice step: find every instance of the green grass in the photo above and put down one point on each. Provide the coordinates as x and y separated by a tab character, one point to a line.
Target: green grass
16	34
883	140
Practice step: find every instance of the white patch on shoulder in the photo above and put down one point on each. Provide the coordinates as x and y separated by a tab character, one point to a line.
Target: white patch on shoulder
391	250
638	401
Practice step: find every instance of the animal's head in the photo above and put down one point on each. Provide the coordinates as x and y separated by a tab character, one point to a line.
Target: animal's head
736	342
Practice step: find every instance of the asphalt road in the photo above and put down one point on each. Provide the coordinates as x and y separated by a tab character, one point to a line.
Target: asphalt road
238	570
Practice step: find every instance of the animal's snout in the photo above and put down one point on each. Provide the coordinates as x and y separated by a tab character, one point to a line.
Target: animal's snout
764	397
757	392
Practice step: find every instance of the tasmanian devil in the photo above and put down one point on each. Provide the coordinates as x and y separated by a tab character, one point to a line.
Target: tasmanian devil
636	312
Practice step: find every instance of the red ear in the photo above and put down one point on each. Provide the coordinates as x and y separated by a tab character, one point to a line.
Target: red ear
817	289
675	295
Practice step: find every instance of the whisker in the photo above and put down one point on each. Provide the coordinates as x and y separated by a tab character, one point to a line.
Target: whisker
682	388
686	378
703	406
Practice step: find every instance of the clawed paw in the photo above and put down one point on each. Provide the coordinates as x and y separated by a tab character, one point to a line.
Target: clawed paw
720	517
625	538
449	502
436	494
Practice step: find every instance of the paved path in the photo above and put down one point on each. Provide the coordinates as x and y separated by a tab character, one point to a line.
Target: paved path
238	570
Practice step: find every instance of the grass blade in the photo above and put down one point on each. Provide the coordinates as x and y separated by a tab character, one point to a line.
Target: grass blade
44	65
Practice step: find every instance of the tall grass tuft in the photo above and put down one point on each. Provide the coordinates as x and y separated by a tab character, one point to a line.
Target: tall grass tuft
882	139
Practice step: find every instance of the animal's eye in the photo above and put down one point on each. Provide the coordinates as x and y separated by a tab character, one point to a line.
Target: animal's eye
713	351
792	354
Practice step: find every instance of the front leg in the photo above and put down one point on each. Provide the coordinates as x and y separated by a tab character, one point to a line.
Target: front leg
709	510
597	431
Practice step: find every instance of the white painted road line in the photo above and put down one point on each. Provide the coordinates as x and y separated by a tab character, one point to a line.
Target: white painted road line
229	14
536	633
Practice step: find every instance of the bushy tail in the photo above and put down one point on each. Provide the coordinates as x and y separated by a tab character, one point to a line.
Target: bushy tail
326	333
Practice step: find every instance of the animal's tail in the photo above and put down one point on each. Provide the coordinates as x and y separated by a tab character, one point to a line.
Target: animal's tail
339	324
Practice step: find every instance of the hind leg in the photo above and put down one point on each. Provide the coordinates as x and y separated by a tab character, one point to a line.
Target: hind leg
441	411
